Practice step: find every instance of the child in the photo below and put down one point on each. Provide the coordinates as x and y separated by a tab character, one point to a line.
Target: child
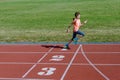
76	23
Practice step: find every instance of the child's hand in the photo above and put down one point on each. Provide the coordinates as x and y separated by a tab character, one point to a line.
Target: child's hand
85	21
67	31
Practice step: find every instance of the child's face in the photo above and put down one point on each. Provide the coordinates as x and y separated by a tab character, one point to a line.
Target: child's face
78	17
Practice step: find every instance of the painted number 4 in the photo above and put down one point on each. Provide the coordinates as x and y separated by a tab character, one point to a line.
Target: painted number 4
47	71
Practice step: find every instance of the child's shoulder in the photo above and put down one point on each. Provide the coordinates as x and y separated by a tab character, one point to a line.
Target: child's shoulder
74	19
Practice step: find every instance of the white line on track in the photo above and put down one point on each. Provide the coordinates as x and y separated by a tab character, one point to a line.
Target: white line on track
58	52
23	79
102	52
56	44
102	44
83	53
31	52
77	64
37	63
82	64
75	54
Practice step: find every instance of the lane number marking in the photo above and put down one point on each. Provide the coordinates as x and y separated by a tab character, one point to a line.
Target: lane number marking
57	58
47	71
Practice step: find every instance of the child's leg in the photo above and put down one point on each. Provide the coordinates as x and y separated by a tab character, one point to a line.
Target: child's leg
81	34
74	36
69	43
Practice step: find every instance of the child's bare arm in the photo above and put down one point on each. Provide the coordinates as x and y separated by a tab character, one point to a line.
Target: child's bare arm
68	29
84	22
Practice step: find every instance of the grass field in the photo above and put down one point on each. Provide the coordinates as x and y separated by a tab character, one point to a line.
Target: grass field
46	20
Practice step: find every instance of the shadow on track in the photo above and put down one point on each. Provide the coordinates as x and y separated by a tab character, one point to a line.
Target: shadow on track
52	46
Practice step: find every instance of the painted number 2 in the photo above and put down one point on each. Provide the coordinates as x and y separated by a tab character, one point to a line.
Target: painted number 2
57	58
47	71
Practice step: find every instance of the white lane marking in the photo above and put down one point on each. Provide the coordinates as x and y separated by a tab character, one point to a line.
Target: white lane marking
23	79
96	64
102	52
57	58
47	71
64	49
83	53
103	44
75	54
30	52
56	44
58	52
36	63
19	63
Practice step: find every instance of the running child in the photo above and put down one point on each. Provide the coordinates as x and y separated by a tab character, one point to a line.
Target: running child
76	23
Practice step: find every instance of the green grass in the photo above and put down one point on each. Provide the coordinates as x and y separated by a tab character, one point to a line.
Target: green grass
46	20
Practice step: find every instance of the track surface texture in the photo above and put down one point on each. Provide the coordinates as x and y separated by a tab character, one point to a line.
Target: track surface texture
50	62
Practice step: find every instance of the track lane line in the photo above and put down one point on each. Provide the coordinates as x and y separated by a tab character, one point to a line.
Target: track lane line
103	75
37	63
75	54
58	52
12	63
23	79
30	52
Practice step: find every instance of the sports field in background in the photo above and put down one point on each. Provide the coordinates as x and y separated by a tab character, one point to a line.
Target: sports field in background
46	20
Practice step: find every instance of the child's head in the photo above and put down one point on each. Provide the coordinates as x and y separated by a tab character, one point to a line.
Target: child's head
77	15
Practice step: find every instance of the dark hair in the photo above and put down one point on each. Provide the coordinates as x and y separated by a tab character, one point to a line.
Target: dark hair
77	13
73	19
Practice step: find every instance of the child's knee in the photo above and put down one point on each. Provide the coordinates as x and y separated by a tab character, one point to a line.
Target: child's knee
72	39
83	35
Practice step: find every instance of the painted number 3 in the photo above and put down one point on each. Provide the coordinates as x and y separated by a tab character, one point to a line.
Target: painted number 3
47	71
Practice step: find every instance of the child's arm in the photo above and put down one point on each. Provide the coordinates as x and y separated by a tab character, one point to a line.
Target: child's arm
68	29
84	22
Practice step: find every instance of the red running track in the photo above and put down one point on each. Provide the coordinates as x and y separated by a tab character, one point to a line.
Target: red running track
50	62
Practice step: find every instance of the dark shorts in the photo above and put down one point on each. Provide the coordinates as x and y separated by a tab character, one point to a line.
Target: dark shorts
77	33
